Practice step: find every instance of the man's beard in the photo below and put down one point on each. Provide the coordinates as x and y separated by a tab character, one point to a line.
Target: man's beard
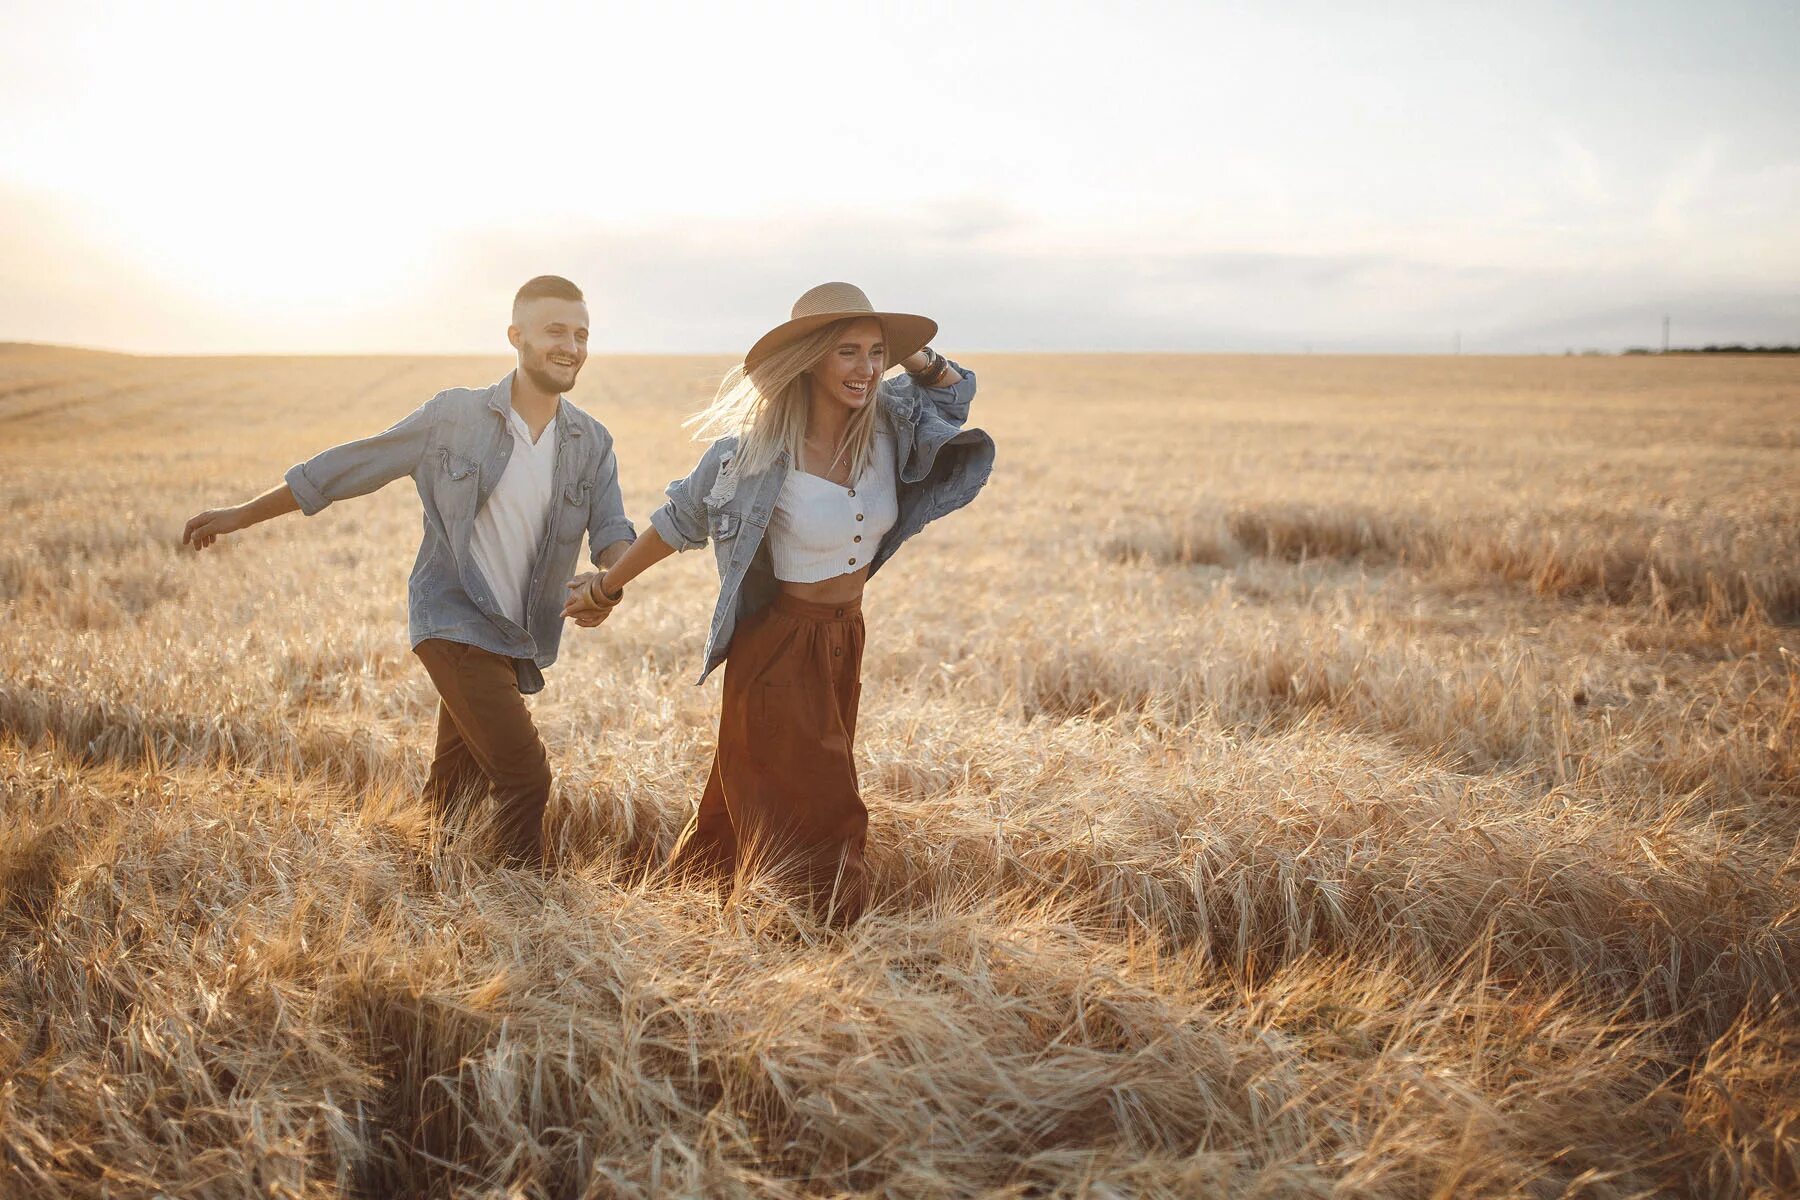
544	381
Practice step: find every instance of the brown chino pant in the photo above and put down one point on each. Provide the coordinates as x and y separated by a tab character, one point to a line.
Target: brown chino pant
486	741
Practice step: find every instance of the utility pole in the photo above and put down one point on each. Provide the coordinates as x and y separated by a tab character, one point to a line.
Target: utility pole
1665	333
1456	343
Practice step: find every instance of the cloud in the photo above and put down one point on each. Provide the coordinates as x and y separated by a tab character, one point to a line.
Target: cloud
1685	184
717	289
1698	318
56	284
994	278
1581	169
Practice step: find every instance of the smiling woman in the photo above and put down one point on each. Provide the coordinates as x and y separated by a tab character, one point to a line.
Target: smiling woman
817	474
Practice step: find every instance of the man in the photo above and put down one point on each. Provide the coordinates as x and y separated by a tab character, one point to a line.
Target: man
510	476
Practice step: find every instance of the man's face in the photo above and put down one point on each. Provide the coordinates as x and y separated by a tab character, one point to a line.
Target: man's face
551	337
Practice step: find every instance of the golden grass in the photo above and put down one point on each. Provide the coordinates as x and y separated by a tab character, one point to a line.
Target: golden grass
1293	777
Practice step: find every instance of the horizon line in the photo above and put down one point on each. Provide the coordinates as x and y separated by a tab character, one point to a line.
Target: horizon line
1569	352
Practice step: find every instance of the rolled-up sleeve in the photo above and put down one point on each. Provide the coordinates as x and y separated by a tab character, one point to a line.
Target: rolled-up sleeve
951	403
607	522
681	521
359	467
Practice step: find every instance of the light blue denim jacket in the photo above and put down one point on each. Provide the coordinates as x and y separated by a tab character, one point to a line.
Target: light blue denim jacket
941	467
455	446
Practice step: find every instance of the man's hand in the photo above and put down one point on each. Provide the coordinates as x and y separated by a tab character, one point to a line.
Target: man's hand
579	608
207	528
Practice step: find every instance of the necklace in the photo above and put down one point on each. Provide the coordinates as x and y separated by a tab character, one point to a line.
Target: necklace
843	445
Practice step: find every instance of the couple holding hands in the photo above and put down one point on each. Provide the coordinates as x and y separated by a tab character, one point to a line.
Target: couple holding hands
816	472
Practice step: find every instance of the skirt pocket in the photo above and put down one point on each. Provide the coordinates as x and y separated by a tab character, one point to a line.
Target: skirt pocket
771	706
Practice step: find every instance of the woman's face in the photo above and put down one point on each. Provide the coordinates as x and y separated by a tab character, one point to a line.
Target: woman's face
851	370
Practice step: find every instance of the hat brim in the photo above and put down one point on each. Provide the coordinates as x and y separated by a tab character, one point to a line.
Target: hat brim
905	334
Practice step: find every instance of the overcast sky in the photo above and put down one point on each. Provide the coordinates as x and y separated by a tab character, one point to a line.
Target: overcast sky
379	177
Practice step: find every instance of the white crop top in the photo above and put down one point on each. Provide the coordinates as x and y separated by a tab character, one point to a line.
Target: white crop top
820	530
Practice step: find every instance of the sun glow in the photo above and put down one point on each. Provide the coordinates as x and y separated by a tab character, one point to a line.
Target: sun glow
344	177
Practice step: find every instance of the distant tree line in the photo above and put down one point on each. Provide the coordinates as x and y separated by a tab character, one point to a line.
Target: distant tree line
1731	349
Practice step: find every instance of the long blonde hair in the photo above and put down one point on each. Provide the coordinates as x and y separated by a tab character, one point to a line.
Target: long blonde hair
767	406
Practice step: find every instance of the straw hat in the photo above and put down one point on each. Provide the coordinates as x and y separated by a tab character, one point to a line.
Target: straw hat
906	334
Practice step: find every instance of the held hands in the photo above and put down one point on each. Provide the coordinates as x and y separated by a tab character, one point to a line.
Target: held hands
203	530
587	604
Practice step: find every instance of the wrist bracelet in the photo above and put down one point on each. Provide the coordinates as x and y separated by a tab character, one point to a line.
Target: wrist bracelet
596	593
932	370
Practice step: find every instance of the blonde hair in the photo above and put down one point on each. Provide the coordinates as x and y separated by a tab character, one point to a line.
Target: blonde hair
767	406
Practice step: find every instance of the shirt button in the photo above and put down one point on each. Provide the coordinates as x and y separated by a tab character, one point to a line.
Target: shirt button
853	493
837	651
857	538
853	562
859	516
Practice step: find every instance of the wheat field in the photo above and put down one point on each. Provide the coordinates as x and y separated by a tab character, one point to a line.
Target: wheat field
1297	776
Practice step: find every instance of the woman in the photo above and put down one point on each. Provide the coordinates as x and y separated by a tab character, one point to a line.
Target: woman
817	473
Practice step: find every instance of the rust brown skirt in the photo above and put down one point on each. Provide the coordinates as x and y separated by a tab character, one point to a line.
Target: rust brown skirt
782	794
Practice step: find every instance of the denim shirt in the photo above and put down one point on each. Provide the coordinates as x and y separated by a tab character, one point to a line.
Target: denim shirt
455	446
941	467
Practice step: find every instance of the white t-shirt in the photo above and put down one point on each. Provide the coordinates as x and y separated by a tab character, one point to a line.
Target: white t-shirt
511	524
820	530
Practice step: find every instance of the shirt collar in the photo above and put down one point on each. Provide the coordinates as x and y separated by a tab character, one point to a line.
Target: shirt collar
500	400
897	405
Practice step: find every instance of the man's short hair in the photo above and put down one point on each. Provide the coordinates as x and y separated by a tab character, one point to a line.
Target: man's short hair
545	287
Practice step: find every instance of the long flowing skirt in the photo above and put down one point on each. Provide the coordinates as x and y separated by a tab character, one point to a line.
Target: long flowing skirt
782	792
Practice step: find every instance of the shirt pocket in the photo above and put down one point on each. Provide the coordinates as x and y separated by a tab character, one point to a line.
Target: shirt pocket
572	513
457	478
457	468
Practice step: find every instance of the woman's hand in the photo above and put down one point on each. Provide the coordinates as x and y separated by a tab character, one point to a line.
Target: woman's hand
930	369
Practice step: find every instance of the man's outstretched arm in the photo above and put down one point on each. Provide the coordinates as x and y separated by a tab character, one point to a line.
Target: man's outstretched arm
205	529
352	469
